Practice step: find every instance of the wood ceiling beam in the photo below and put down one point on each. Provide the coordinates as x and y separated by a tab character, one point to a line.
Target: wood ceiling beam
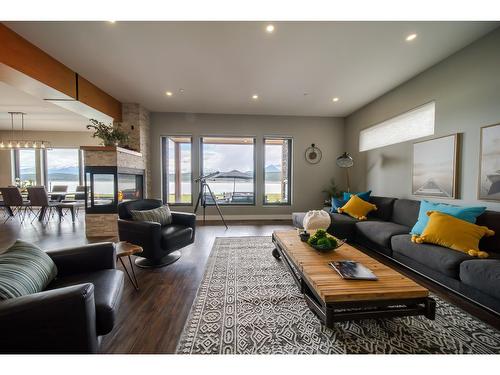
94	97
30	69
21	55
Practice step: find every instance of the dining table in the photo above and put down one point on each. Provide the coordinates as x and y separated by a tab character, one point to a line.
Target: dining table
56	196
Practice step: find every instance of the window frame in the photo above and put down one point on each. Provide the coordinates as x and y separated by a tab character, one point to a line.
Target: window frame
254	143
290	170
164	168
45	166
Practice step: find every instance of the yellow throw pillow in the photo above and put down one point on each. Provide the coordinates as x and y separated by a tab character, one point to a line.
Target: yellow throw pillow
357	208
448	231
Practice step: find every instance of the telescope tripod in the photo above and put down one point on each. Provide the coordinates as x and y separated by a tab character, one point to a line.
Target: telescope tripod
201	200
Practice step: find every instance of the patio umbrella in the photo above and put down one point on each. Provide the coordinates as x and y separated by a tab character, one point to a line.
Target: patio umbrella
234	175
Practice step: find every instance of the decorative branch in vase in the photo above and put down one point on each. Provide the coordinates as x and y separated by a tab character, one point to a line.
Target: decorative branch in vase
108	134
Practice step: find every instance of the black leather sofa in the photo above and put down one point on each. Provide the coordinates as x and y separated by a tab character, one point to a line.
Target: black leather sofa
387	232
160	244
76	308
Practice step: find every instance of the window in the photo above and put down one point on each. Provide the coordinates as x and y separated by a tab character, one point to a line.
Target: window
177	177
233	158
416	123
25	166
63	168
277	170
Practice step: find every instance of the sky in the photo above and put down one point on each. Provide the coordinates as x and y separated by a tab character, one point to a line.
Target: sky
56	159
215	157
27	159
224	157
62	158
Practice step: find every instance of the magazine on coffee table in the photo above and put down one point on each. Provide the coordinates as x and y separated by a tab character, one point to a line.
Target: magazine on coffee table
352	270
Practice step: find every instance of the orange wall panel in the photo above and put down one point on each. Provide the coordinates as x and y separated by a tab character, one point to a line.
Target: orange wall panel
93	96
21	55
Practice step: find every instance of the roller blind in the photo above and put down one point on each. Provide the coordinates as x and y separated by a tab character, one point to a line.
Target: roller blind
416	123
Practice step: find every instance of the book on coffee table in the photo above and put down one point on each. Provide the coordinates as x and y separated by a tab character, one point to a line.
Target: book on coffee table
352	270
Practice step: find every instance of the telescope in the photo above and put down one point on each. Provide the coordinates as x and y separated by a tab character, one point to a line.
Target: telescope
206	177
204	191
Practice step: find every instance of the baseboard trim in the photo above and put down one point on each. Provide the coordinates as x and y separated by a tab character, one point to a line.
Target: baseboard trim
246	217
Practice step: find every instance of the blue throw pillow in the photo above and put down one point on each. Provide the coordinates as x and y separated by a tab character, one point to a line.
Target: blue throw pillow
469	214
337	203
365	195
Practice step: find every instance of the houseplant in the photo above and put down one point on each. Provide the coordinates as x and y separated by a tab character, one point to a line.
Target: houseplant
108	134
332	191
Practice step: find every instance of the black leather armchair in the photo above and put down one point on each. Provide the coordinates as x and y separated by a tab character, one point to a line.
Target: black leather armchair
75	309
160	244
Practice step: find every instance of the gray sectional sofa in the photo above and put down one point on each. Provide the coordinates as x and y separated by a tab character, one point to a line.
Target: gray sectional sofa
387	232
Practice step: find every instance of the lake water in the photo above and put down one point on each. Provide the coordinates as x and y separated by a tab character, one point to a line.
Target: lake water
71	185
227	187
217	187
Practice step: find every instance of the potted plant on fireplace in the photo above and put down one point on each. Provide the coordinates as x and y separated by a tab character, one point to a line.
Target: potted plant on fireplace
108	134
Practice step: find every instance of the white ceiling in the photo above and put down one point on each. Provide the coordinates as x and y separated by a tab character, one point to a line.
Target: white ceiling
40	115
220	65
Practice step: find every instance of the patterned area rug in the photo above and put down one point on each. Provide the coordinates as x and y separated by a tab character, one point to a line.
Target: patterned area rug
248	303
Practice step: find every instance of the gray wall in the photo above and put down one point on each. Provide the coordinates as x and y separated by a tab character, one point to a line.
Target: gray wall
466	88
308	180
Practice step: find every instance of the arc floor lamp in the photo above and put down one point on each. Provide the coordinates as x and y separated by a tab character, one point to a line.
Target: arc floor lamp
346	161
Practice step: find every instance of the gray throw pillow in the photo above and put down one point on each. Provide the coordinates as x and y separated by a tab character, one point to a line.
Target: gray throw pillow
160	215
24	269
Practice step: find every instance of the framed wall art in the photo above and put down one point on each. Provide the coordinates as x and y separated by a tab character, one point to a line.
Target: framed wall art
489	163
435	166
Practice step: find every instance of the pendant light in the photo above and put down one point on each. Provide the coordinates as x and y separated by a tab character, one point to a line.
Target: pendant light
22	142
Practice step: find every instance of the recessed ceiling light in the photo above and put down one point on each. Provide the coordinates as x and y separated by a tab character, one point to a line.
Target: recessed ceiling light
255	97
168	93
335	99
411	37
270	28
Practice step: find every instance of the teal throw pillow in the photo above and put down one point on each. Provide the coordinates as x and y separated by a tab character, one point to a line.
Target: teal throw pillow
468	214
365	195
337	203
24	269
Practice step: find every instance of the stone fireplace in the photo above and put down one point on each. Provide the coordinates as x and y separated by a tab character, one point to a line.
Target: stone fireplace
112	175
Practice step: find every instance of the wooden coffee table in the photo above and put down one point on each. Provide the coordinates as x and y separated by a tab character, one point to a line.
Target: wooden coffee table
334	299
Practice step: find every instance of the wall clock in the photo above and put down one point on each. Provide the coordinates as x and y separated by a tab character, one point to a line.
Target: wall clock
313	154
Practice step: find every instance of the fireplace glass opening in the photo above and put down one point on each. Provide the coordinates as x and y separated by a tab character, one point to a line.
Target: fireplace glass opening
129	187
108	186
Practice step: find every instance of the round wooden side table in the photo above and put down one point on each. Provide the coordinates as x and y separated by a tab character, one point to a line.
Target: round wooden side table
126	249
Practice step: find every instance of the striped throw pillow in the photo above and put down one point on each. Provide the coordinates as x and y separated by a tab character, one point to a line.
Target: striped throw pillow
160	215
24	269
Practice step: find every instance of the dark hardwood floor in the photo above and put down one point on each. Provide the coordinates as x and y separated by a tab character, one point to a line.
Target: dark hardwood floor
151	320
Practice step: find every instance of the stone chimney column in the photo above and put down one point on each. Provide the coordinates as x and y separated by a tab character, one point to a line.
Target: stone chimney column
136	123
